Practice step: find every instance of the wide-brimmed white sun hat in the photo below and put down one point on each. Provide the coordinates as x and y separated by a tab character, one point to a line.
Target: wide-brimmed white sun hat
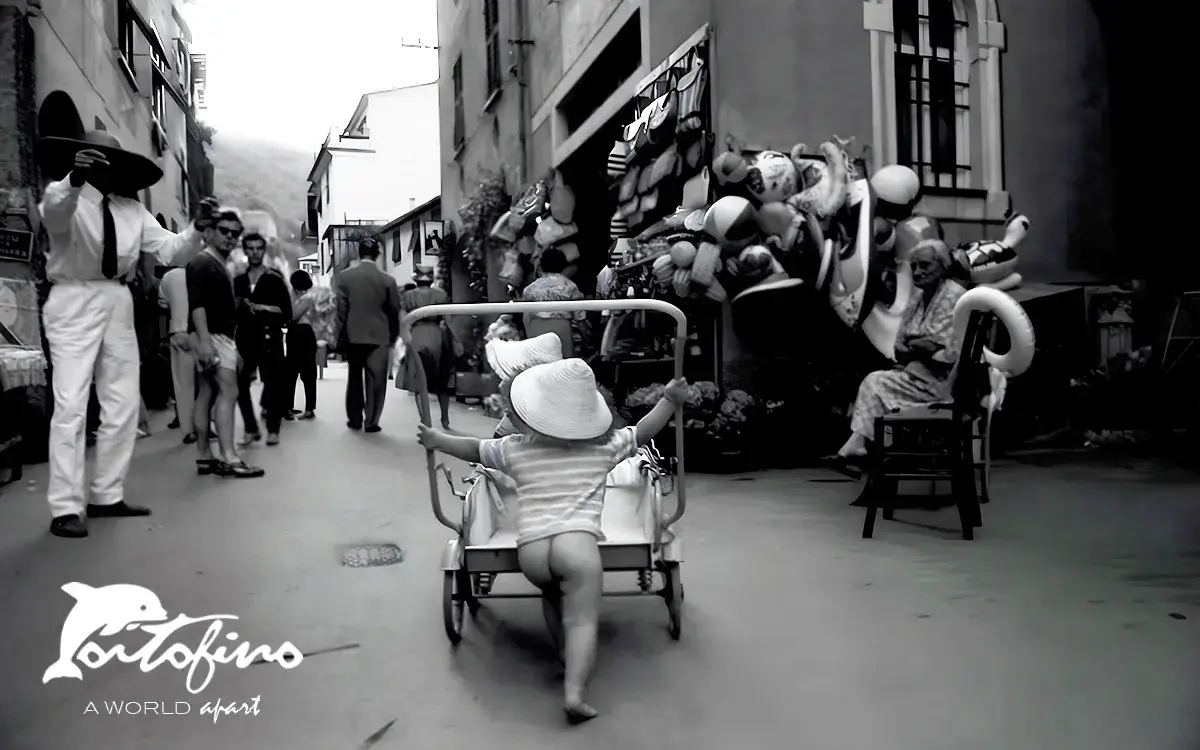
560	400
508	358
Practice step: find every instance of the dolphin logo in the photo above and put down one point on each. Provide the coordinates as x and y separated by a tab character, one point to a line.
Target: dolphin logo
108	609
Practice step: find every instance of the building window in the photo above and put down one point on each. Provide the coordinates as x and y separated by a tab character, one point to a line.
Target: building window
933	74
327	187
183	189
159	101
491	33
125	34
456	76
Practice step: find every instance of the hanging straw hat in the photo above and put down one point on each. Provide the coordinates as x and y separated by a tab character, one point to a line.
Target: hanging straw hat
560	400
130	171
508	358
423	273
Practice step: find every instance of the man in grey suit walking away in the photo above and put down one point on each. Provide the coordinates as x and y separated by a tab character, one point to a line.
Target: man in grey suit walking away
368	304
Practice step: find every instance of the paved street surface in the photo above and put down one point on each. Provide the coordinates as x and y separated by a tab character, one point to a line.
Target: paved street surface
1073	621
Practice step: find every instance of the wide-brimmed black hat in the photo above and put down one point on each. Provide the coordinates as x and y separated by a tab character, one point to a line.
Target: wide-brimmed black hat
130	171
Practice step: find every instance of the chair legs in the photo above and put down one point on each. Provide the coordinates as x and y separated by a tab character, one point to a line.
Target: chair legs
869	523
963	486
879	493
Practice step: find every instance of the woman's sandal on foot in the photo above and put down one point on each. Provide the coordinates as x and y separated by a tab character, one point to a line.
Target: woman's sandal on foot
206	466
847	466
237	469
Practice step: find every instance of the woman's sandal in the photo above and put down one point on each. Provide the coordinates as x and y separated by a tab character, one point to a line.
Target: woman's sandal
205	466
847	466
238	470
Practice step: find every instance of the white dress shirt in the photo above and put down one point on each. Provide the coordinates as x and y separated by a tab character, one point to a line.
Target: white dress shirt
173	289
74	220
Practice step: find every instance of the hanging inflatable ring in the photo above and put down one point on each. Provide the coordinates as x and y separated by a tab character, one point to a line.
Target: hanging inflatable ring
1020	330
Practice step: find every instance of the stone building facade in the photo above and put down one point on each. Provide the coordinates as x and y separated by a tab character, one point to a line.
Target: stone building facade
124	66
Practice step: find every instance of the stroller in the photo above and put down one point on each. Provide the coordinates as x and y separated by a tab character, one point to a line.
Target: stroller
636	526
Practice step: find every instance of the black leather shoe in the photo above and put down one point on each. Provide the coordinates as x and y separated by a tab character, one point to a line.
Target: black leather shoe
116	510
372	428
69	527
353	426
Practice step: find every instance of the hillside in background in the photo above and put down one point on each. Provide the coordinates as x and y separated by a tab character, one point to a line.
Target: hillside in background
263	176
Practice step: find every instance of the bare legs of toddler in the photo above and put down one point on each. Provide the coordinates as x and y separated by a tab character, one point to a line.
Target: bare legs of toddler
568	570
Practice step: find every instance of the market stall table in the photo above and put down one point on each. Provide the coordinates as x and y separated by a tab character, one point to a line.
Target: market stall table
20	369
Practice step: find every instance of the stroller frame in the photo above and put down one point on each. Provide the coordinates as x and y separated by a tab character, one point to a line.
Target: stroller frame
469	569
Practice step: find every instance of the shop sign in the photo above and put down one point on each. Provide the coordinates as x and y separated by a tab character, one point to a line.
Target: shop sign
16	244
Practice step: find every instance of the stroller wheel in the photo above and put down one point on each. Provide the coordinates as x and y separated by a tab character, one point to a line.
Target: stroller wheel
673	594
452	606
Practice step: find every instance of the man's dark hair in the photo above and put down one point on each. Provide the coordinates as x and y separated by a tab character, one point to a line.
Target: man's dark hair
227	215
301	281
368	247
254	237
553	261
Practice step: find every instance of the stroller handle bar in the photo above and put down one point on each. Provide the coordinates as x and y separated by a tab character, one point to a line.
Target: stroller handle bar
504	308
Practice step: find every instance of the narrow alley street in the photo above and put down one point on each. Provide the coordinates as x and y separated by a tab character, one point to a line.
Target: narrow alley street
1073	621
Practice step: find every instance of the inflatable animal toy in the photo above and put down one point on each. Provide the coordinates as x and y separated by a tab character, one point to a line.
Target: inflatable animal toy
1011	315
994	263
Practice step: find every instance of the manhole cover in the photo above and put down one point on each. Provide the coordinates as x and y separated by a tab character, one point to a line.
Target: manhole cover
371	555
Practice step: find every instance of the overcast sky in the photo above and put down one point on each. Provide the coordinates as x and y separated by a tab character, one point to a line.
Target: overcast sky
288	70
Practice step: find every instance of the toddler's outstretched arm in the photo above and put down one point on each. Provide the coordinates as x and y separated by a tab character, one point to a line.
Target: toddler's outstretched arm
650	425
462	447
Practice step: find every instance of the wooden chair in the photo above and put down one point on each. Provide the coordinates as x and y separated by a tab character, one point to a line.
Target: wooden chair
936	442
1187	303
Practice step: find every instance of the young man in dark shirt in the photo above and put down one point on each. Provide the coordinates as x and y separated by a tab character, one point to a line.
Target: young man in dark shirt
264	308
213	322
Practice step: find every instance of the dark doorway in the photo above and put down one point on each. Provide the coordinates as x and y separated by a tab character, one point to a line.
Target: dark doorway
1149	148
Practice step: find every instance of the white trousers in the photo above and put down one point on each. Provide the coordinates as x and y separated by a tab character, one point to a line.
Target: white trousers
90	329
183	375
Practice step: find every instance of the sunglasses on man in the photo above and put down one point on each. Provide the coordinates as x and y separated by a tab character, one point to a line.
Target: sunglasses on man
230	232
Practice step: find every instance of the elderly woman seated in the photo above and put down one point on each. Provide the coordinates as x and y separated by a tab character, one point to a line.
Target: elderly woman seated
925	355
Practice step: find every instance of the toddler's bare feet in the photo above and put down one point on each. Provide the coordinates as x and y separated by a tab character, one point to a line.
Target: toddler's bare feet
579	712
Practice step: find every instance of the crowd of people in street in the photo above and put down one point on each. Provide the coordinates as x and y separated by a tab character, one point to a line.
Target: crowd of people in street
557	440
226	330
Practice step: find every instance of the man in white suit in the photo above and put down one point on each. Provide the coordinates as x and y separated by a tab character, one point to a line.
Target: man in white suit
97	230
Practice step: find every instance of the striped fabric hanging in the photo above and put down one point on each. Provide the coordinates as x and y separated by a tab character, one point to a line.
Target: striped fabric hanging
618	160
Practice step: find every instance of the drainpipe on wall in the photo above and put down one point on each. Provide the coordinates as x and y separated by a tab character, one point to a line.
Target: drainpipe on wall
519	44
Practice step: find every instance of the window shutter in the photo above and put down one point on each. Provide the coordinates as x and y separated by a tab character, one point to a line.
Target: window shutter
907	107
904	21
941	25
944	156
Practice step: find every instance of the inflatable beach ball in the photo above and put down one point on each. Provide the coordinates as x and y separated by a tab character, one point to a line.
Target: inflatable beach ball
896	184
729	168
732	222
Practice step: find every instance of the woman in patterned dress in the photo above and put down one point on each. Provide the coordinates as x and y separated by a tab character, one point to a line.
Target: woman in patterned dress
433	340
925	354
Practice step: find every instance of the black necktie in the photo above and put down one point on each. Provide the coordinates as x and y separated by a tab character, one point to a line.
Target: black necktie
108	265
